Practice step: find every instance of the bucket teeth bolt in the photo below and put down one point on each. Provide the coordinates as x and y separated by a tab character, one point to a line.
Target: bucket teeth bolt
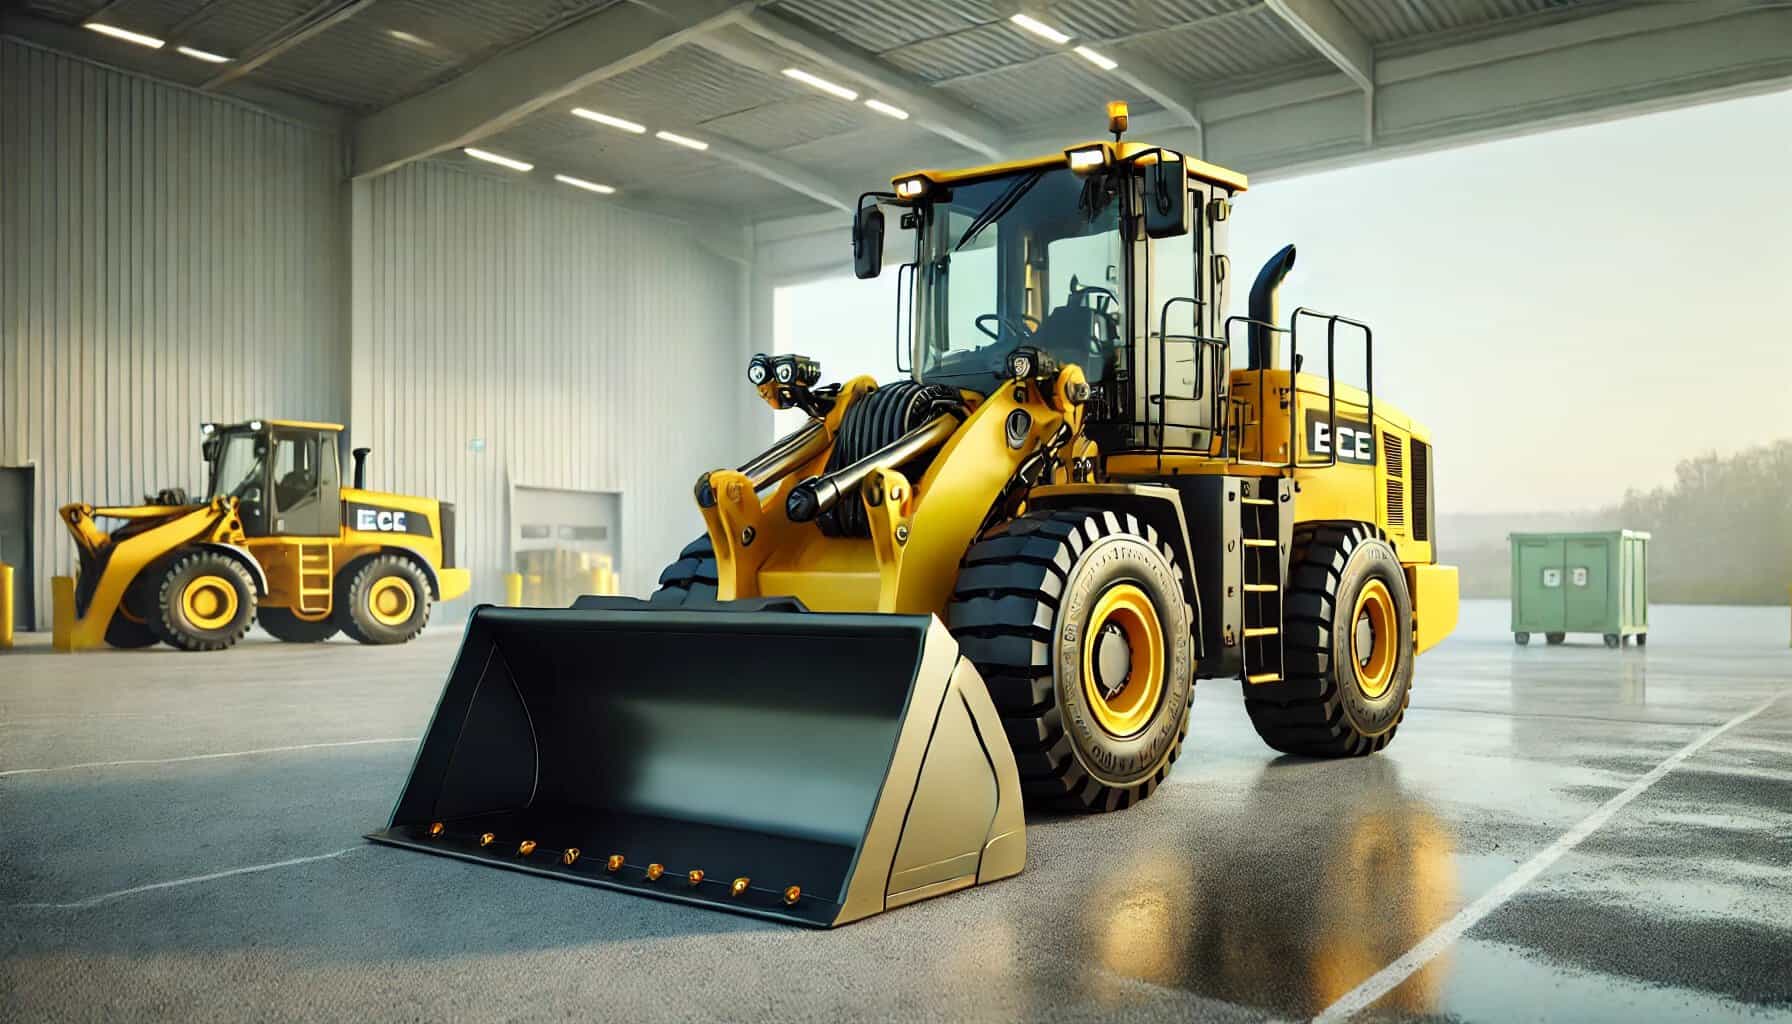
739	886
569	856
615	863
525	848
654	871
695	875
792	894
487	839
436	829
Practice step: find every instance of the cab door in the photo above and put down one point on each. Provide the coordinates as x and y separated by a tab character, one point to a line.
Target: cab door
306	493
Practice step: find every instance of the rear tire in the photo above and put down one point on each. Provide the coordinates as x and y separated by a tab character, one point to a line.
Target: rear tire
1335	700
691	579
1078	623
206	602
283	625
386	601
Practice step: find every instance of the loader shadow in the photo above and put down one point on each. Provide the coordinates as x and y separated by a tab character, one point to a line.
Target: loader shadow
1285	900
83	836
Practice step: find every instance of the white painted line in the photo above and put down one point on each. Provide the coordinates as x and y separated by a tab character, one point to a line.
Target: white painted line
209	757
1390	977
195	880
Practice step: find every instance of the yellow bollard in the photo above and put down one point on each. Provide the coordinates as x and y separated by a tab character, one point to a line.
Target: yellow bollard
5	606
513	590
62	603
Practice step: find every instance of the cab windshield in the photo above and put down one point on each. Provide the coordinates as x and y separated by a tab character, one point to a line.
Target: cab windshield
238	470
1030	258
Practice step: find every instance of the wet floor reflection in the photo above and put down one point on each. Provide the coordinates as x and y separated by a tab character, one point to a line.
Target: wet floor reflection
1258	906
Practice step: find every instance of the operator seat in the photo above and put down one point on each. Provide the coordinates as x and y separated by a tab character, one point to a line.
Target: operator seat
1076	333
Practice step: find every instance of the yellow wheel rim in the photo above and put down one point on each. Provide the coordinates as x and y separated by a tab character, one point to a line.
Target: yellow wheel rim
391	600
1123	660
209	602
1374	639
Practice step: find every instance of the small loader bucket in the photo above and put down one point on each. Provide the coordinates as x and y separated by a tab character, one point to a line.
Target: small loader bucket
808	767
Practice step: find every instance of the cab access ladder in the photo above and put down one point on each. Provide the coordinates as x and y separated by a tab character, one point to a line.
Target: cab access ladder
316	573
1263	548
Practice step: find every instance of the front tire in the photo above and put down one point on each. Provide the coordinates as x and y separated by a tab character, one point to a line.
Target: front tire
283	624
1346	678
385	601
129	629
691	579
206	602
1078	622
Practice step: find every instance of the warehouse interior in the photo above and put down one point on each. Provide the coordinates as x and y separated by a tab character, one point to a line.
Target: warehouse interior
524	251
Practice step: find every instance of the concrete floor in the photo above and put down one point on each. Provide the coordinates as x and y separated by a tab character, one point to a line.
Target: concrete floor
1249	887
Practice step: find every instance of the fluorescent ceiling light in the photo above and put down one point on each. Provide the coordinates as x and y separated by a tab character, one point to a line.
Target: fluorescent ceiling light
407	37
589	186
614	122
1096	59
820	83
888	111
1040	28
681	140
126	34
501	161
209	58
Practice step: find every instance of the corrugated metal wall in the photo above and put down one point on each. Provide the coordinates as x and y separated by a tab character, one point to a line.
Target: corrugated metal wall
165	258
577	342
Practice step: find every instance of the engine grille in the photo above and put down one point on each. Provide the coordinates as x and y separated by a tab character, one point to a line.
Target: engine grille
1421	490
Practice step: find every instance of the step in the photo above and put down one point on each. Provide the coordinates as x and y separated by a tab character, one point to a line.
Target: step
1264	677
1260	588
1250	542
1256	631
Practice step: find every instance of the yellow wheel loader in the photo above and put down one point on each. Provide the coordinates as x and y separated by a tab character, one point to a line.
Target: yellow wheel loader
277	535
994	582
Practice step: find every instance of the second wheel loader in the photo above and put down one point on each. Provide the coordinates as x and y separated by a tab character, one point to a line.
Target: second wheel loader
278	536
992	583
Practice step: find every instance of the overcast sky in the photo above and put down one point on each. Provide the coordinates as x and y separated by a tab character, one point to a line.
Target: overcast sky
1571	313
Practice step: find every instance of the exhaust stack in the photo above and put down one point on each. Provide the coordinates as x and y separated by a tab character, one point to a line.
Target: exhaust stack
1265	344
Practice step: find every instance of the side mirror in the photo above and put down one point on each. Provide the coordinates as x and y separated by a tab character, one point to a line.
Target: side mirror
1167	213
868	242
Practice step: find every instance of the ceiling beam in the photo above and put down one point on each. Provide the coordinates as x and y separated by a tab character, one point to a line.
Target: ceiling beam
509	87
307	25
180	29
929	108
783	172
1326	29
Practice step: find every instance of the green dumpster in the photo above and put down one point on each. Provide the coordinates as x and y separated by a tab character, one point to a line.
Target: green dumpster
1596	582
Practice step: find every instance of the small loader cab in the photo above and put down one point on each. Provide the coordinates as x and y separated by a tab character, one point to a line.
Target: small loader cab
285	475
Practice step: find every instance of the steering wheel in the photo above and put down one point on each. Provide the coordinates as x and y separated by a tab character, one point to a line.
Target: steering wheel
1023	326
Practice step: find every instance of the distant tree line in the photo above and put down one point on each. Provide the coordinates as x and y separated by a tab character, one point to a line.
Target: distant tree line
1721	533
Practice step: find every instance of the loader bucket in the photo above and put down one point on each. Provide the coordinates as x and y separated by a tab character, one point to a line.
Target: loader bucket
813	768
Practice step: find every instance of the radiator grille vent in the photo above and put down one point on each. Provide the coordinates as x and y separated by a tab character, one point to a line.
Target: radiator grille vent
1421	491
1391	453
1396	504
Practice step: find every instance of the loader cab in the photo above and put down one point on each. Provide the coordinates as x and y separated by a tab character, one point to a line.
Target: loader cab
285	475
1074	255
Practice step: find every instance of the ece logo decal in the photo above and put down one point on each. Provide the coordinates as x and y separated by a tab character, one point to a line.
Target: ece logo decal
380	520
1355	441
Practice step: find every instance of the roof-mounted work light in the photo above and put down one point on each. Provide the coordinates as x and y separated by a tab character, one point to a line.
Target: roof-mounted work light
1084	159
911	188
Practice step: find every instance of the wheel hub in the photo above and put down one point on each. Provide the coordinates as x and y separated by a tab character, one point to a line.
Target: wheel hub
1123	660
1373	639
209	602
1113	659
